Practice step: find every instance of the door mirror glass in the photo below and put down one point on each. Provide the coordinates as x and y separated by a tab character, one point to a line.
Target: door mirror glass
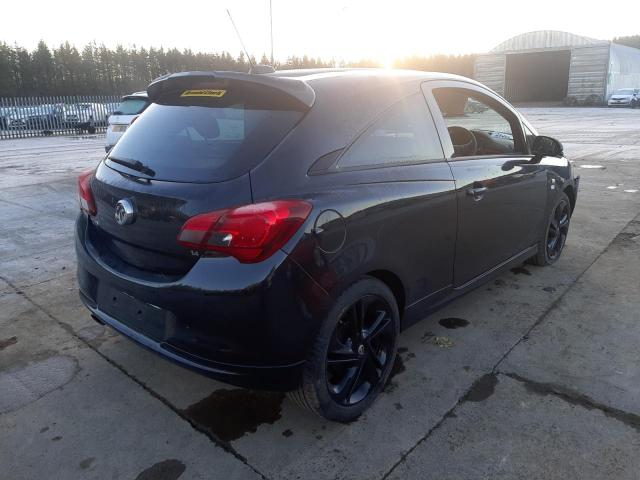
546	147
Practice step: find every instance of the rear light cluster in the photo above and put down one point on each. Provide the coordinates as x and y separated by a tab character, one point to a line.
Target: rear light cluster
250	233
85	195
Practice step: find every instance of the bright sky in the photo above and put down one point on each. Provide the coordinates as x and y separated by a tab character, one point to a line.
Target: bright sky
345	30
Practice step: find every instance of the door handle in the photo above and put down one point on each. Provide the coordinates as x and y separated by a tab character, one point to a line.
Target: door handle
477	192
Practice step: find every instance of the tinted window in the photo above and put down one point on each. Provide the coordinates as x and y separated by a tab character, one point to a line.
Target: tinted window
131	106
193	143
476	123
403	134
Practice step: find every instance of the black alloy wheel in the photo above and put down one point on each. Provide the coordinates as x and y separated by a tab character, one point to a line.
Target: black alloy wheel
353	354
558	229
360	350
553	238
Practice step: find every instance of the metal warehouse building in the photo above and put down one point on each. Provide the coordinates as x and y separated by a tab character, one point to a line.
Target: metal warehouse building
548	65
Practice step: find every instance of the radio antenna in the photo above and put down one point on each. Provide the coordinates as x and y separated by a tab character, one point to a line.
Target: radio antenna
240	38
271	28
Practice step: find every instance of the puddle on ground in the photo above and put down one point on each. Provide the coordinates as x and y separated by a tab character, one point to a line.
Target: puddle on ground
453	322
482	389
7	342
519	270
230	414
626	239
86	463
166	470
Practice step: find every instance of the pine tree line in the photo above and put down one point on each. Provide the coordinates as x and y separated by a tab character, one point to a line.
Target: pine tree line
98	70
629	41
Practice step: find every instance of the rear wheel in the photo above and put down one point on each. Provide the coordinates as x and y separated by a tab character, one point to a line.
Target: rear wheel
554	236
353	354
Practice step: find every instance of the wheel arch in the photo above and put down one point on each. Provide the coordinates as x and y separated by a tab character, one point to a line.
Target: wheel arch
571	193
394	283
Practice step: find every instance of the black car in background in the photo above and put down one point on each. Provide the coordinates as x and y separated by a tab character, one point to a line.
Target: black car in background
278	231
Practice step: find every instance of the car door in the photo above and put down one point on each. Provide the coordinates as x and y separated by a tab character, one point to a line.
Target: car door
395	191
501	192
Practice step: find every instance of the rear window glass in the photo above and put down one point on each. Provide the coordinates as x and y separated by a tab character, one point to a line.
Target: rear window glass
131	106
195	143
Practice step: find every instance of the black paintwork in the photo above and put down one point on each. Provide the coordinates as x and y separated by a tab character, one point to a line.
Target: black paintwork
419	228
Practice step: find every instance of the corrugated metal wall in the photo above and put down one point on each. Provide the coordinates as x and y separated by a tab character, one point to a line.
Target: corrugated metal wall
489	70
588	72
624	68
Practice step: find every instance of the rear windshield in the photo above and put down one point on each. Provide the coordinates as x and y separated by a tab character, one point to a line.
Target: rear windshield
195	143
131	106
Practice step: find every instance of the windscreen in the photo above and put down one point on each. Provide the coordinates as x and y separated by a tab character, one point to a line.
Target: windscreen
197	141
624	91
131	106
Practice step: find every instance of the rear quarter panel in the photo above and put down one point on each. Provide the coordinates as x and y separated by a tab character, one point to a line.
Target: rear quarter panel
400	220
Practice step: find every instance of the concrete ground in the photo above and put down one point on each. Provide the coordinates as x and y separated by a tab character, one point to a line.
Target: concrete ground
540	379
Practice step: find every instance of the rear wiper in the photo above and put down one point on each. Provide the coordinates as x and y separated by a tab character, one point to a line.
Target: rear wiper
136	165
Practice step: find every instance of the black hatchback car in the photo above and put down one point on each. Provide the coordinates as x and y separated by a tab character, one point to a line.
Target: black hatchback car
278	231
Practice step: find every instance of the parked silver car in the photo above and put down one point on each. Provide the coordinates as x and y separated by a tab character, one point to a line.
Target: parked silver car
625	97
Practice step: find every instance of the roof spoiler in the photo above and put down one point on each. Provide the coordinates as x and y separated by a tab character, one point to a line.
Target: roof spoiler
297	89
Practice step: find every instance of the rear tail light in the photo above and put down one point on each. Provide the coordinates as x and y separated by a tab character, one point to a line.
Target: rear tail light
250	233
85	195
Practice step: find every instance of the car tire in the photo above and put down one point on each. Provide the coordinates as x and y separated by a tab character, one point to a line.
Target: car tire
344	355
554	234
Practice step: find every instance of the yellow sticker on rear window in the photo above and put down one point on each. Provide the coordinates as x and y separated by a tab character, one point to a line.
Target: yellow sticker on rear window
203	93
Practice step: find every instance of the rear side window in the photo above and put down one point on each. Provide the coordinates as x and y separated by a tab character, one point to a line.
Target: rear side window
201	142
131	106
405	133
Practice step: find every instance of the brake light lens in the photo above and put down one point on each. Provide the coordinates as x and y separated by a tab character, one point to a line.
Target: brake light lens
250	233
85	195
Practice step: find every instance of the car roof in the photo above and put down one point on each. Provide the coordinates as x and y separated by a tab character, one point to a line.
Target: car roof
307	85
339	77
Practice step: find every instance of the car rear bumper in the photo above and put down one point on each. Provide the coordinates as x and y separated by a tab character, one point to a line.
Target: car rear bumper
247	325
275	378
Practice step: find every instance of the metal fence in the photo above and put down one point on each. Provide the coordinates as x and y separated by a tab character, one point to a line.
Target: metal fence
22	117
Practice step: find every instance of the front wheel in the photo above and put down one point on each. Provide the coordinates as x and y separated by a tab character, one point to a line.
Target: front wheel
555	234
353	354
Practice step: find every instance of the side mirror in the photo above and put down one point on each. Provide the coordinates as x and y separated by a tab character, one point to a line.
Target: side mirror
546	147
